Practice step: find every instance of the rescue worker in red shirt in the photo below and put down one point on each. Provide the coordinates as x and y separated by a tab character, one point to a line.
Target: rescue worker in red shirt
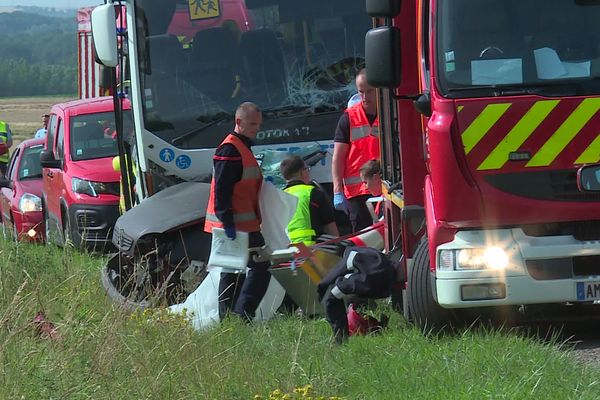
356	141
233	206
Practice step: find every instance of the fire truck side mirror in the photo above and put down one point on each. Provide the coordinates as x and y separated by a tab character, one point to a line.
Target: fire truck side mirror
588	178
383	8
423	104
382	56
104	34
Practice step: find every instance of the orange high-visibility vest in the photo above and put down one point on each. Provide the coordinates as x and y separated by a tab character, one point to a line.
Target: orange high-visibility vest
364	146
246	212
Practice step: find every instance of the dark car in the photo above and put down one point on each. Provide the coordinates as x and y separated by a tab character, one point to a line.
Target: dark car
20	196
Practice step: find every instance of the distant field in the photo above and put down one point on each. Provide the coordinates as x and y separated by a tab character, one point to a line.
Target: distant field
23	114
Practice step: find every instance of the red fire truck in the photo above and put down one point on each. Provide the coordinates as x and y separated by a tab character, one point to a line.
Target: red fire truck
488	109
88	72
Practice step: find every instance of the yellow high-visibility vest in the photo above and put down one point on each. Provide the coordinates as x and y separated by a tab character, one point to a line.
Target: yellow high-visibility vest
4	139
300	228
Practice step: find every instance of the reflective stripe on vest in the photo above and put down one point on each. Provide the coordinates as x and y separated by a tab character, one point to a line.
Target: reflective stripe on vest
244	202
251	173
4	138
364	146
239	217
300	226
360	132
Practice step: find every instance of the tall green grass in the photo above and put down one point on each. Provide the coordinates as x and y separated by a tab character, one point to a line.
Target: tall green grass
107	353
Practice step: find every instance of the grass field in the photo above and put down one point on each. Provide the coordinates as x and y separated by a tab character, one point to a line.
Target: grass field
23	114
102	352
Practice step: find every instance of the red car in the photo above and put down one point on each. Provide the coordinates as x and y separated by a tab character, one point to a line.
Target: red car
80	187
20	196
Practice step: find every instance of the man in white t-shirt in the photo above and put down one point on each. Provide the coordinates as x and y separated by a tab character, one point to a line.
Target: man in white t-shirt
41	133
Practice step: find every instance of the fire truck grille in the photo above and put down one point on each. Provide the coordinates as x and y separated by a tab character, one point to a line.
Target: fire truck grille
564	268
580	230
542	185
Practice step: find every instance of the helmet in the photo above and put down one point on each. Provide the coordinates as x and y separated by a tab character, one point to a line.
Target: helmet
355	99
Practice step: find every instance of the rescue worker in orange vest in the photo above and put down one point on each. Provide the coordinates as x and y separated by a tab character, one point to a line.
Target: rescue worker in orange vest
233	206
356	141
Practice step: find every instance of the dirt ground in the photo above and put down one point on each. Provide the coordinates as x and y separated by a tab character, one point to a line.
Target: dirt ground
24	114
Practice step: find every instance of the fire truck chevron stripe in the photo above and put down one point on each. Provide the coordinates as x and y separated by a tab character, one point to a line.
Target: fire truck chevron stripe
565	133
591	154
482	124
518	134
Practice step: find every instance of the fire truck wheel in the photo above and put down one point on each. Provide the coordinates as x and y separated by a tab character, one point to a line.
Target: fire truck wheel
422	308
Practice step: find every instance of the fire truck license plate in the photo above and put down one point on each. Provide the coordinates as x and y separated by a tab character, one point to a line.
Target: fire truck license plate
588	291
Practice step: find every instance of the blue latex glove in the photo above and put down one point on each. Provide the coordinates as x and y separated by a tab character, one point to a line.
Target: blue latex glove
340	203
230	232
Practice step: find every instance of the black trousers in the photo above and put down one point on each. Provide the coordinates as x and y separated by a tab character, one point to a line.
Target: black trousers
360	217
241	293
335	314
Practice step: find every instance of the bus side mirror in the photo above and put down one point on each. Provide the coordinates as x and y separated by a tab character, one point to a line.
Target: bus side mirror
104	34
383	8
382	56
588	178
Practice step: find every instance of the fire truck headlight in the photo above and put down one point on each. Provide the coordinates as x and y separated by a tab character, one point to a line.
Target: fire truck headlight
495	258
488	258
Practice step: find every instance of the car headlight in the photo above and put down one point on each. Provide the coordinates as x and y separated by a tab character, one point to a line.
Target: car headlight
29	203
83	186
466	259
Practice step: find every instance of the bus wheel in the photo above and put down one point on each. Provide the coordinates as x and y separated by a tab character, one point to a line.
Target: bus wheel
422	308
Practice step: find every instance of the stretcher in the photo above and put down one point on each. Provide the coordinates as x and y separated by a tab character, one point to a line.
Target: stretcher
301	274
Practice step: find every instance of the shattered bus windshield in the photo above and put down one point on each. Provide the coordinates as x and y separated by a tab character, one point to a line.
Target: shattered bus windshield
199	59
512	47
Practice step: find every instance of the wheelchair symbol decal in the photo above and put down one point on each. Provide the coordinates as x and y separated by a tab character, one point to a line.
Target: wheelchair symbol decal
183	162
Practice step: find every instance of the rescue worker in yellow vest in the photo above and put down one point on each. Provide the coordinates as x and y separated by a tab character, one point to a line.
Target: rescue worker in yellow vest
314	213
5	143
116	163
233	206
356	141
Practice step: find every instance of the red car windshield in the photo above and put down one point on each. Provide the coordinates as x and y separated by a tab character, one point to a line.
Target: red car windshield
30	167
93	135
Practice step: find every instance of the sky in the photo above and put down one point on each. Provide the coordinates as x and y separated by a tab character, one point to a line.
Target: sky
51	3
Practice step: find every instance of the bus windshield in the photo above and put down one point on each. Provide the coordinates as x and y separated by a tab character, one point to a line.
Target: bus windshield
512	47
199	59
